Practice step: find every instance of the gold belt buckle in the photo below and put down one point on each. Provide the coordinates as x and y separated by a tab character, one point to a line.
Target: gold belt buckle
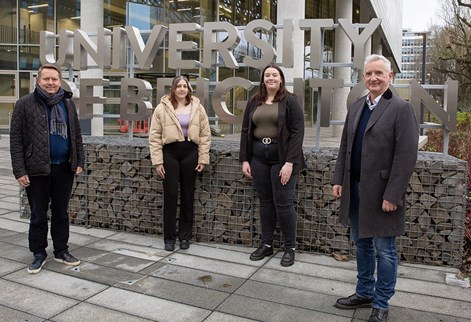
266	140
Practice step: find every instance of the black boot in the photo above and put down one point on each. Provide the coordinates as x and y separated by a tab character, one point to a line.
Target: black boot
261	252
288	258
169	245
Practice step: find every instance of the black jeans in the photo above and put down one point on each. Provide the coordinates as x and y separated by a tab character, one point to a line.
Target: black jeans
180	161
55	189
276	200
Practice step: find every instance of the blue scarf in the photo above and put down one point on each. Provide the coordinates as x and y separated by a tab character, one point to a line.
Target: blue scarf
58	125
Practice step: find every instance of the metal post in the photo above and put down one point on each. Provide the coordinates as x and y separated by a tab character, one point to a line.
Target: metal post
446	141
318	110
424	61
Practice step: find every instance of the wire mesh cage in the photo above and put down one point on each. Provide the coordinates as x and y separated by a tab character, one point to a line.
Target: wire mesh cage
120	190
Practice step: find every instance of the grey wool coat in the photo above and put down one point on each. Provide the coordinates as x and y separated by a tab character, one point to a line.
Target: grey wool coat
389	155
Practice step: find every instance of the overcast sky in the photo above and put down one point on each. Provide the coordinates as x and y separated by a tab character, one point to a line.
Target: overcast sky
419	14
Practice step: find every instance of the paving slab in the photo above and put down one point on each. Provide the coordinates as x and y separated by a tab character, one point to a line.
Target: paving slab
8	205
434	304
240	249
15	253
399	314
9	314
33	301
440	289
9	179
211	265
122	262
4	233
87	254
325	260
4	212
132	253
13	225
273	312
329	272
223	254
19	239
142	240
178	292
426	267
111	246
15	216
304	282
8	266
197	277
86	311
13	200
292	297
148	307
425	274
81	239
8	191
223	317
96	273
96	232
57	283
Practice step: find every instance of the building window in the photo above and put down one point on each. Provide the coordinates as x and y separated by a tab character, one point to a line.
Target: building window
8	85
35	16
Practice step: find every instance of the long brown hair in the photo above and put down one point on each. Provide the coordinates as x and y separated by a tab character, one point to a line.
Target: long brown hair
261	96
173	98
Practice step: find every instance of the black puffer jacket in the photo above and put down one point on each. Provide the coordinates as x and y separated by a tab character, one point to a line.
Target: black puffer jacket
29	137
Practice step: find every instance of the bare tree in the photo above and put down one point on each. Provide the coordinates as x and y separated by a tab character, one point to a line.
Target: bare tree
450	52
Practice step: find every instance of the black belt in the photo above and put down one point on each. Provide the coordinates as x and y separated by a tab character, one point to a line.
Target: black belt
267	141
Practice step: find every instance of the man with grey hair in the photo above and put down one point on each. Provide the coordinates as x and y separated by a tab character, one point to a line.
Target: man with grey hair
377	155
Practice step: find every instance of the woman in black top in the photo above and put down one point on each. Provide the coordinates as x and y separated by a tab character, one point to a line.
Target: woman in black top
271	154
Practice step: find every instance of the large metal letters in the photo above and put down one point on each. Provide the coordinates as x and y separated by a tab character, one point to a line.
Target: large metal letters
218	41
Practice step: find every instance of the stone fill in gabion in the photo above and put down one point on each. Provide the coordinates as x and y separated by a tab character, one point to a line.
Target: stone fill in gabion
120	190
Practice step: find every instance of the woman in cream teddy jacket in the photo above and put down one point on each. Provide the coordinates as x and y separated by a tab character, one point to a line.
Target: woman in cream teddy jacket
179	140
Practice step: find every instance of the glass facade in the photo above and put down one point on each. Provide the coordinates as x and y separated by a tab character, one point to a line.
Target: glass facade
21	22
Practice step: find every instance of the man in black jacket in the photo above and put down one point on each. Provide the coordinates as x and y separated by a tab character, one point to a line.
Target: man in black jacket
46	152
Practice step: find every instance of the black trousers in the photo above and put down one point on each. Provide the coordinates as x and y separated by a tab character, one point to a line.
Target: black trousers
180	161
54	189
276	200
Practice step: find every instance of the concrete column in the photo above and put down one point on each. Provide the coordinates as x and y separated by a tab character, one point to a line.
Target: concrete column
342	54
287	10
365	18
91	20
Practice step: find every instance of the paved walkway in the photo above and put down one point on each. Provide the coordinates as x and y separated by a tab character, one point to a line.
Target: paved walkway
129	277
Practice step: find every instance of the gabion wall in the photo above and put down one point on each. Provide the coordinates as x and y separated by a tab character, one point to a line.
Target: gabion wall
120	190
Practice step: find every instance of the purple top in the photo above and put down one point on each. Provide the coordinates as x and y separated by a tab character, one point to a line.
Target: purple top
184	120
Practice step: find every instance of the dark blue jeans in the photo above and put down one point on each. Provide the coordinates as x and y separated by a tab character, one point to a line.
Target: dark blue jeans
276	200
367	250
180	161
55	189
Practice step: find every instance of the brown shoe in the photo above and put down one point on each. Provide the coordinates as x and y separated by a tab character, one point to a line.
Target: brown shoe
352	302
